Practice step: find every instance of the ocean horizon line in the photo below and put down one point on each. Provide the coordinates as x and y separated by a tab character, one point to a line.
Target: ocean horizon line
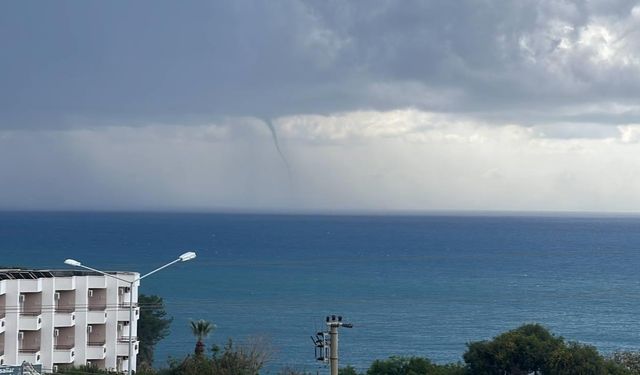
331	212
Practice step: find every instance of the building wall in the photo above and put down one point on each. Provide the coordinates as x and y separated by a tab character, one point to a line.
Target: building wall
64	306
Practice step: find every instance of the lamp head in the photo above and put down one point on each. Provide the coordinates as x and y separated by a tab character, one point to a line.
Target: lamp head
187	256
72	262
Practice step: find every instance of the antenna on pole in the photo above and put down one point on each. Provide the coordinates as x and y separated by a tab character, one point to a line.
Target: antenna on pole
327	352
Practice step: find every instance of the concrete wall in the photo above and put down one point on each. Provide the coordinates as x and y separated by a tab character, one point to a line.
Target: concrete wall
73	304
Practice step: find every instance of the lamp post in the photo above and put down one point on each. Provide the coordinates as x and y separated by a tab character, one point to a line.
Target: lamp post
182	258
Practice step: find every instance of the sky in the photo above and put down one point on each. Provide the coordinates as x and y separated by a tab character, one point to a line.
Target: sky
529	105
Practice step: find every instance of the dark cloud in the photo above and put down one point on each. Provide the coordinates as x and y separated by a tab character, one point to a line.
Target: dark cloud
165	61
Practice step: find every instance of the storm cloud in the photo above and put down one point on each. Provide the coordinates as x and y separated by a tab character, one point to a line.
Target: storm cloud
473	104
68	62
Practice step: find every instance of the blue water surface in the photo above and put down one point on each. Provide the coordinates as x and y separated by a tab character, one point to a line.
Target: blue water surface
411	285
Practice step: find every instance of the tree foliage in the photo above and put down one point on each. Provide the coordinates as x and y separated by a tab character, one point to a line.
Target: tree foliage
412	366
629	361
532	349
292	371
521	351
201	329
349	370
153	326
576	359
246	359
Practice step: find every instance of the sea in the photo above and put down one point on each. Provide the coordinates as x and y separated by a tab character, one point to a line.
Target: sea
411	285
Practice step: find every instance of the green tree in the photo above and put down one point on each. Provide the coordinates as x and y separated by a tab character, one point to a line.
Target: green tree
292	371
245	359
191	365
449	369
524	350
532	349
629	361
580	359
399	366
576	359
412	366
201	329
153	326
349	370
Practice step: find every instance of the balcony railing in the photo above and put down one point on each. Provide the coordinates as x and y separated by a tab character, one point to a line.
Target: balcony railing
29	350
65	309
126	338
98	307
64	346
31	312
96	342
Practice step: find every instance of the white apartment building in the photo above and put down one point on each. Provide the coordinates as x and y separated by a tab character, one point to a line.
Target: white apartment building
67	317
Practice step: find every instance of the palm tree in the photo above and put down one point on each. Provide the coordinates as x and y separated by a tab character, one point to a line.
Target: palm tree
201	329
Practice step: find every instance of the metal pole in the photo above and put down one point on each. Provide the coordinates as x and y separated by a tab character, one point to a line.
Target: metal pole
130	325
333	358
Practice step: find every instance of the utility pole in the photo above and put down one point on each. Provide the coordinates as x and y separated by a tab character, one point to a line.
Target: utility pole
333	323
333	358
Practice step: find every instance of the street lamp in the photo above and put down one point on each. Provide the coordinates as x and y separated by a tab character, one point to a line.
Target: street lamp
182	258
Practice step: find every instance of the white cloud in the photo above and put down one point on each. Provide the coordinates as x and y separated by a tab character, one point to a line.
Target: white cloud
405	159
629	133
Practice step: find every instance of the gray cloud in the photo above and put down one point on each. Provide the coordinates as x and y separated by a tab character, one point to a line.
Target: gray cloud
164	61
470	104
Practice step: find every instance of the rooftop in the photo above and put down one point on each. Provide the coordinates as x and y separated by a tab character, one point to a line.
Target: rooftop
19	273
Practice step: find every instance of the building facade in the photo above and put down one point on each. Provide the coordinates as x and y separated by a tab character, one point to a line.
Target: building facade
67	318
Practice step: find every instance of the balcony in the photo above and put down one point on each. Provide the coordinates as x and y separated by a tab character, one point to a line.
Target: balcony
123	331
125	338
30	356
31	286
63	353
28	346
65	283
122	362
96	317
122	348
64	345
64	319
123	314
96	340
30	303
30	322
97	299
97	282
65	301
96	350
